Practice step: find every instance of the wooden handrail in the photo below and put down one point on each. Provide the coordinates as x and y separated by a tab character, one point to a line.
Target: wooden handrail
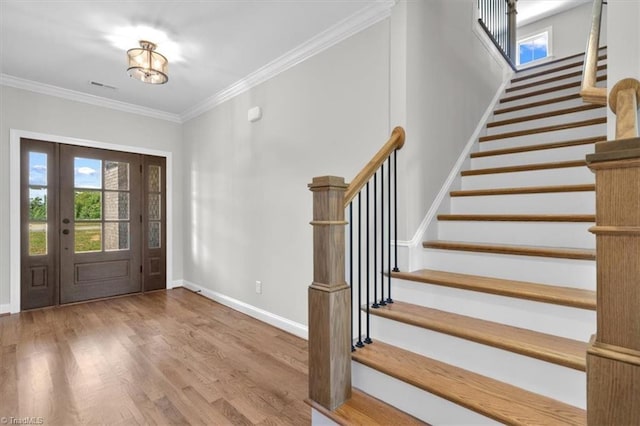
623	101
396	141
589	92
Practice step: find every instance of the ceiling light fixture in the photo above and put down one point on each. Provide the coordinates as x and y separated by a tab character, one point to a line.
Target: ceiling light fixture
147	65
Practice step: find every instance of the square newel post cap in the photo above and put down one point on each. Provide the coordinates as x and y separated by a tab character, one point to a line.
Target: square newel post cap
327	182
617	150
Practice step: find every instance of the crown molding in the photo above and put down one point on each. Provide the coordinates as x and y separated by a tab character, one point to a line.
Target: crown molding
47	89
344	29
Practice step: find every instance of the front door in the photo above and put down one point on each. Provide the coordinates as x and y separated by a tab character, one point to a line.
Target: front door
82	223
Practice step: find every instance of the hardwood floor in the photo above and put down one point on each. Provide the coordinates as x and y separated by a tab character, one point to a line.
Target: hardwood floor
170	357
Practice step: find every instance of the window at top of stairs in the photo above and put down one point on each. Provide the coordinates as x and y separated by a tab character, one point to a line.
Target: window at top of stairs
534	47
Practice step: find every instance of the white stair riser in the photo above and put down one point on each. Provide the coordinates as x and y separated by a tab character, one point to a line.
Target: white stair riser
566	175
410	399
537	98
572	323
545	137
577	68
519	88
569	153
542	270
544	378
549	234
571	103
548	121
532	70
546	203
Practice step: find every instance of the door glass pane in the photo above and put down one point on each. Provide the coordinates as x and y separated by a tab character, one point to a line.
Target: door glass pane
88	205
154	206
37	239
116	236
38	204
116	175
37	168
87	173
116	205
155	179
154	234
88	237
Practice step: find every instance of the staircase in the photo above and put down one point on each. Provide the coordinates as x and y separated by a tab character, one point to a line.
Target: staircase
495	327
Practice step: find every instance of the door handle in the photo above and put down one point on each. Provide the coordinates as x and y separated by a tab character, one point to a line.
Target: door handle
65	220
65	231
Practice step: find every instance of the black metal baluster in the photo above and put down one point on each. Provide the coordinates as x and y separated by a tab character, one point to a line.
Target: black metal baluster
359	344
375	241
395	209
353	348
368	338
382	302
388	300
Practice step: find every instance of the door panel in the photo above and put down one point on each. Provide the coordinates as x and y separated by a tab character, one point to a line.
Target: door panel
38	213
93	223
154	224
100	241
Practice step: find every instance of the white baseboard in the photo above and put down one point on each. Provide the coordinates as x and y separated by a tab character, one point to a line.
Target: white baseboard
282	323
5	309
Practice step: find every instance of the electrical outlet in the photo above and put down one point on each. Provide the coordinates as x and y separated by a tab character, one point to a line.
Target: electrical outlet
259	287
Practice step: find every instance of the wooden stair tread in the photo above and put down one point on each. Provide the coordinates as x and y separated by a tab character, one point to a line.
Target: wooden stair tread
557	350
538	147
551	79
491	398
523	190
545	129
565	296
537	103
548	90
525	168
518	217
519	250
555	69
363	410
543	115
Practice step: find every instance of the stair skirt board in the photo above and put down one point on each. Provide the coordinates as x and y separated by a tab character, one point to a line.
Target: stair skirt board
412	400
582	202
544	378
577	324
543	270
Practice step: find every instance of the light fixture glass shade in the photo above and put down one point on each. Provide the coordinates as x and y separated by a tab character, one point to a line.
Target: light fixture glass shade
147	65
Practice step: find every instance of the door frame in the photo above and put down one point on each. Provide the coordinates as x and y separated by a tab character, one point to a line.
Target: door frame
15	135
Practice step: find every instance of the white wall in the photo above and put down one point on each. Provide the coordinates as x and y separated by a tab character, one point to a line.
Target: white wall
29	111
624	48
450	81
247	206
570	30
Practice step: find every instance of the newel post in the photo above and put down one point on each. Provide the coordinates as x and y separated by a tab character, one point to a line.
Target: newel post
329	297
613	356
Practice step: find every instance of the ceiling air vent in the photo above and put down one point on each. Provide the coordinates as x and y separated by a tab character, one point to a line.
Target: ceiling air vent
104	86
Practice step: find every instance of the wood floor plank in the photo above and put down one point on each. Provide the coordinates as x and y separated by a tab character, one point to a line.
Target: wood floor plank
164	357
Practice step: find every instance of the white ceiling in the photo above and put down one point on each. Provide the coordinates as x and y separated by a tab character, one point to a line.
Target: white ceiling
530	11
212	45
67	44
